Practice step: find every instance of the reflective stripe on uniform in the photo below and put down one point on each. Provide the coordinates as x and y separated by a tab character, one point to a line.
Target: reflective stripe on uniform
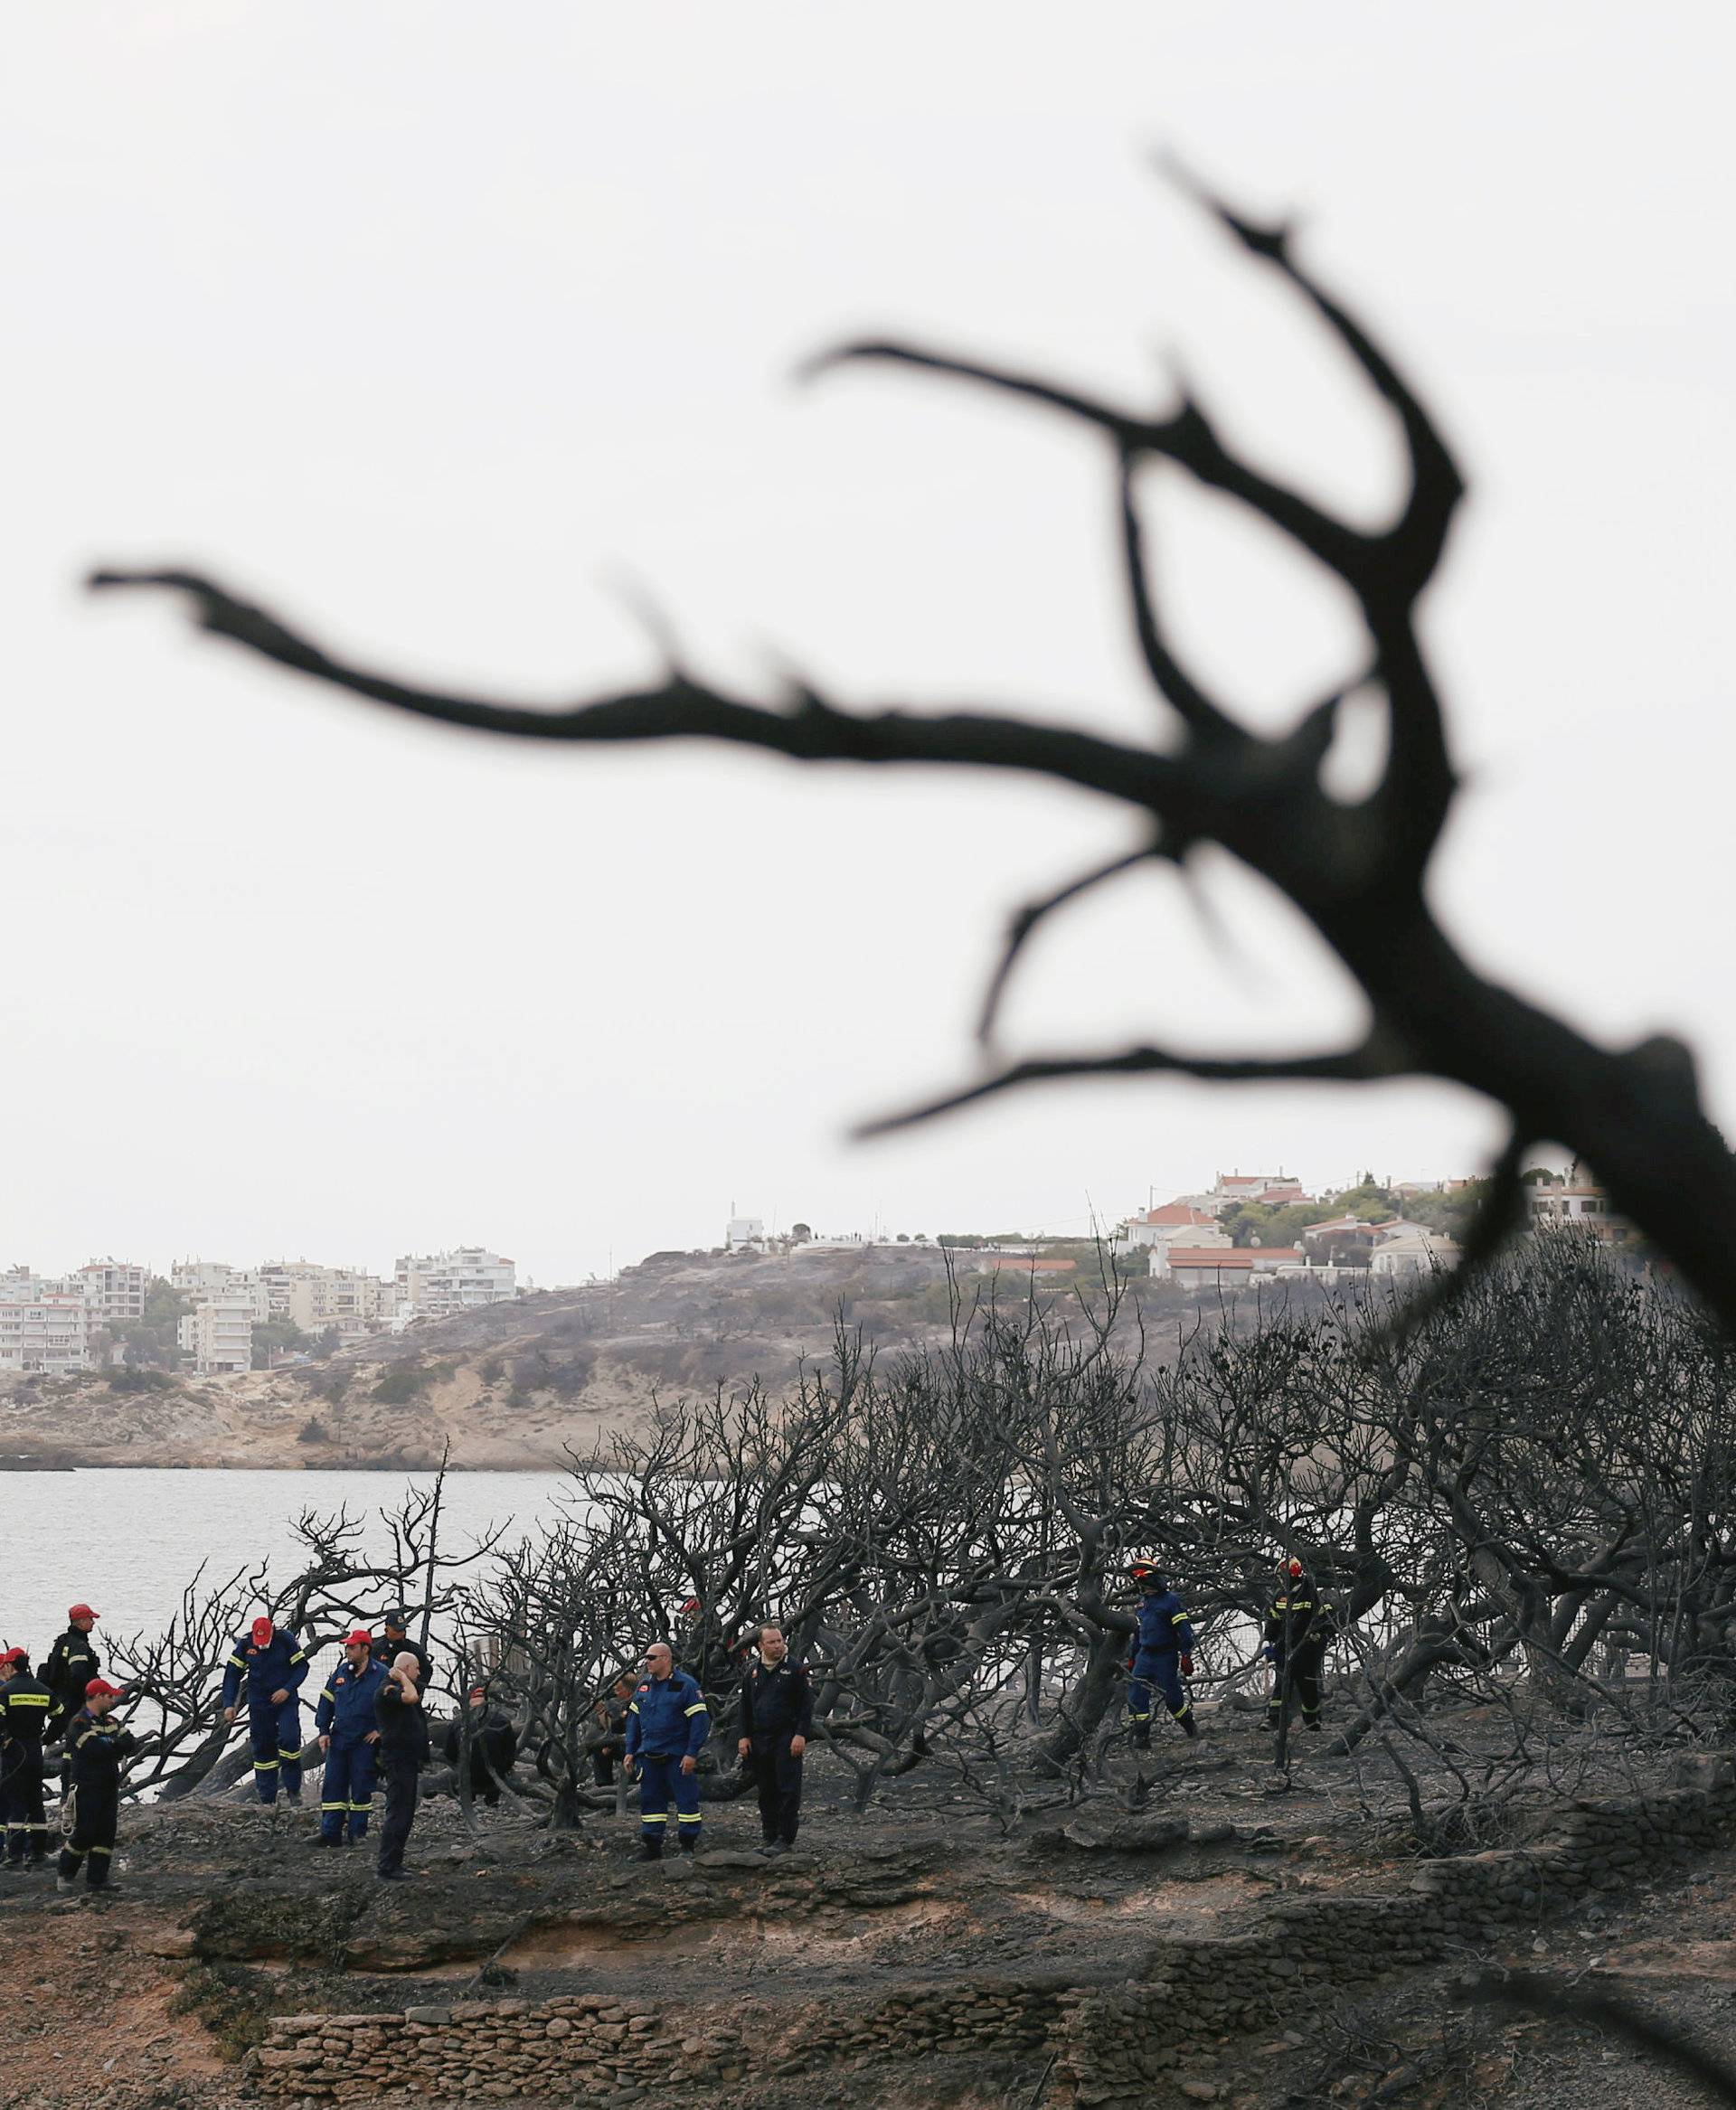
334	1805
31	1700
283	1754
699	1710
265	1765
326	1693
682	1817
653	1816
104	1851
355	1806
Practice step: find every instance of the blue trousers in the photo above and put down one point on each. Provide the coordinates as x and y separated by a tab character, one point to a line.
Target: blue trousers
659	1776
275	1733
347	1789
1158	1669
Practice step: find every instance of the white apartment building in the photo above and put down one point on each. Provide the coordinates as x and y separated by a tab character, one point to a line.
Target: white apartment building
316	1298
218	1335
43	1326
198	1278
745	1230
114	1292
432	1285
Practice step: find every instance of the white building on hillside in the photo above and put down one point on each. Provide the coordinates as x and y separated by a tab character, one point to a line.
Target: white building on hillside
1183	1219
43	1325
432	1285
197	1278
114	1292
745	1230
1410	1248
316	1298
218	1335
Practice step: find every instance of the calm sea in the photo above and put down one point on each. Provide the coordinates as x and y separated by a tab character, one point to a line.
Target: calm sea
129	1541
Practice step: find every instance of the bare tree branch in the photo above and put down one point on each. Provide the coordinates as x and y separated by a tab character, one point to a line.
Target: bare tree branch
1356	872
1353	1066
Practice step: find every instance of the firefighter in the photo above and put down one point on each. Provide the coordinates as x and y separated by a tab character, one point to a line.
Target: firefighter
1299	1627
271	1663
96	1748
402	1721
493	1745
349	1736
394	1641
26	1709
1161	1657
777	1720
71	1663
666	1729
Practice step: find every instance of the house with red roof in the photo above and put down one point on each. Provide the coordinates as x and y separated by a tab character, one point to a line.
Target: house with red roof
1221	1267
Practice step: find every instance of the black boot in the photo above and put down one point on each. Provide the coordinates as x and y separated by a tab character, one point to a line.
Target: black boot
1142	1736
1189	1727
650	1850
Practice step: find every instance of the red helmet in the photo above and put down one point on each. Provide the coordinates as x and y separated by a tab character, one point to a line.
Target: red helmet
1293	1569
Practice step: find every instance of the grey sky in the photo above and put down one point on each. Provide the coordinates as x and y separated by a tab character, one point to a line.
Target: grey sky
434	322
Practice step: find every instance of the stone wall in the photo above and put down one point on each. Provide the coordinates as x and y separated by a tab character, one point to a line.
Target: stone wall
1110	2043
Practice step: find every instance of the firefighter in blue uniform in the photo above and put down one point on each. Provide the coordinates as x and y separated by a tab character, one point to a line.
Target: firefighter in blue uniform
1162	1656
344	1722
27	1708
666	1729
271	1663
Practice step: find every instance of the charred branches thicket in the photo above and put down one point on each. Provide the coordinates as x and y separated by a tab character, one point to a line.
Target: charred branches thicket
1522	1500
1357	870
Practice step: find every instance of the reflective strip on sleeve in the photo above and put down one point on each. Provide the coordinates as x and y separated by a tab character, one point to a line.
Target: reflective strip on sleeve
699	1710
634	1707
1179	1619
326	1693
300	1656
235	1664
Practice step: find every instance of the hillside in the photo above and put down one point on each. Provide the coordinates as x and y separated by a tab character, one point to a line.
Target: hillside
513	1385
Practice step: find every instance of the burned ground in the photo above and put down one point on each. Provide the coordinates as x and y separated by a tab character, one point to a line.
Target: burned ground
911	1954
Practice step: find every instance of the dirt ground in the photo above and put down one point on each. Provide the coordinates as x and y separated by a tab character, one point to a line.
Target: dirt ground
225	1914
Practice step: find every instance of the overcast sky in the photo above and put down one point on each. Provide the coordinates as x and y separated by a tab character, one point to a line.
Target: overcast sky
436	324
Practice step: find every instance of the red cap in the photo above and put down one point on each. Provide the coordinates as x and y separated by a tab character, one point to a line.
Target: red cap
361	1638
262	1631
15	1655
98	1686
1295	1568
81	1612
478	1693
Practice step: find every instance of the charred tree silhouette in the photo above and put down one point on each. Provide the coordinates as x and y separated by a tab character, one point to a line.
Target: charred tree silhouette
1356	870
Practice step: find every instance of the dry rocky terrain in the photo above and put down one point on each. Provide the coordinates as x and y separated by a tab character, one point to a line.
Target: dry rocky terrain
510	1386
1194	1935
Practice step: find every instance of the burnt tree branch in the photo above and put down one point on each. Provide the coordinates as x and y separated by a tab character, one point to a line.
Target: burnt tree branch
1356	870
